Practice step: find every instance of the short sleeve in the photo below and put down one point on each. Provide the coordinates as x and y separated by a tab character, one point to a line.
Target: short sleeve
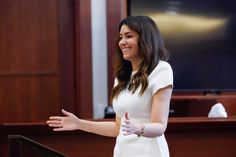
161	77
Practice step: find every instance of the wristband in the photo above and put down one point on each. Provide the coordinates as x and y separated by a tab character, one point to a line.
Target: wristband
142	130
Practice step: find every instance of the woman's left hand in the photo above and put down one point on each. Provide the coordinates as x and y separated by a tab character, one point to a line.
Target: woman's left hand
130	127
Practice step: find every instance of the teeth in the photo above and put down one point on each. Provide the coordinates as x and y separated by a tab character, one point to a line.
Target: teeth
125	49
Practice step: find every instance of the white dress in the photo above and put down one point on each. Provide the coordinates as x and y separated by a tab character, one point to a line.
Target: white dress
138	108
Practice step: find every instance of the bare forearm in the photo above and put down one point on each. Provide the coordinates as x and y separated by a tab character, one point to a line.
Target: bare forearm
110	128
153	129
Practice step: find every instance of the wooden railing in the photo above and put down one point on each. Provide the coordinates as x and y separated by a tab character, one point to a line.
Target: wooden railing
186	136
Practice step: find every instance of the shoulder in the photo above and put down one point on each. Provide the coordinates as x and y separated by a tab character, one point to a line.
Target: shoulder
162	73
162	66
161	76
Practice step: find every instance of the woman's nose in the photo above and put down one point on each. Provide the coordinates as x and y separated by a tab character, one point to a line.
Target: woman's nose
123	41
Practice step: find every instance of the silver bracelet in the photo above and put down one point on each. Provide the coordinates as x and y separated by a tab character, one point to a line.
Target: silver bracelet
142	130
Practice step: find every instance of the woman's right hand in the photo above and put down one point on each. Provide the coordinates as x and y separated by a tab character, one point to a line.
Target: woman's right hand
63	123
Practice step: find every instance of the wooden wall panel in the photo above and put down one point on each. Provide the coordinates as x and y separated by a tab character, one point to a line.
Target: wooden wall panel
36	59
27	99
28	33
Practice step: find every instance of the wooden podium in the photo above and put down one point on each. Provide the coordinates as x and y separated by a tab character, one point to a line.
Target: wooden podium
20	146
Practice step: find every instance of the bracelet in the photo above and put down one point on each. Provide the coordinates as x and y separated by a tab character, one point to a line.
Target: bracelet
142	130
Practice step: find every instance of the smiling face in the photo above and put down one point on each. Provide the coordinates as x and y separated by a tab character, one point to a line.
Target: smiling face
129	46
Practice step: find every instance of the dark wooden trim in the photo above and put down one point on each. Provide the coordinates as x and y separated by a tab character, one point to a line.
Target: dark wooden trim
66	28
35	73
83	64
201	124
189	124
114	16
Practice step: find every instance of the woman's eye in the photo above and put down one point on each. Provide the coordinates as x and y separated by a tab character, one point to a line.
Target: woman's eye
125	37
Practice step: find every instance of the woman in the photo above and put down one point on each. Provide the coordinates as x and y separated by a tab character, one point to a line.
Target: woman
141	93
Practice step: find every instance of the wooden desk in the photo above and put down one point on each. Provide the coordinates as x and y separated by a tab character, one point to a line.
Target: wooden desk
196	104
187	137
202	137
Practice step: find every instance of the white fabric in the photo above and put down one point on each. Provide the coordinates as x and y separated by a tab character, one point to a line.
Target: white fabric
217	111
138	108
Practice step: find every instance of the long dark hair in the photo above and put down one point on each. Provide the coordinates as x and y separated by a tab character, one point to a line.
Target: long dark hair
151	50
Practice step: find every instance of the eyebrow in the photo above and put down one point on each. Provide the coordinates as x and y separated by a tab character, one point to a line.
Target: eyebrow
126	33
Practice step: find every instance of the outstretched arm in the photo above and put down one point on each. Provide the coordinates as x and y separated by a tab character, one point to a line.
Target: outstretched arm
71	122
